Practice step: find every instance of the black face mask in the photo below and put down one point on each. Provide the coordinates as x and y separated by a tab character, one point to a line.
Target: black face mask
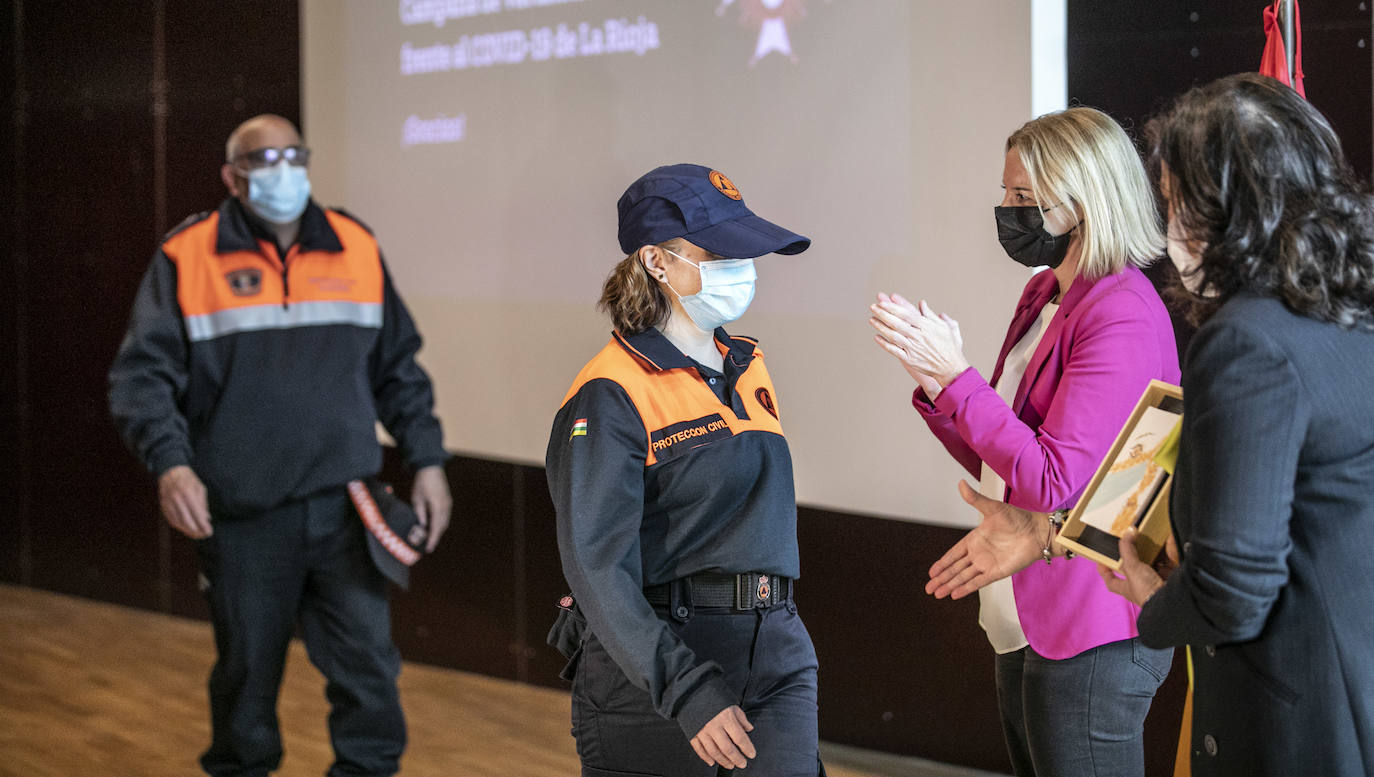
1021	231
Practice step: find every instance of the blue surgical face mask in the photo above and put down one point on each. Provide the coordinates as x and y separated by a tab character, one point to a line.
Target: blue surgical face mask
278	194
727	288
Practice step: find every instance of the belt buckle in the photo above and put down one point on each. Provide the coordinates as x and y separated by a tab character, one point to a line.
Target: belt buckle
753	590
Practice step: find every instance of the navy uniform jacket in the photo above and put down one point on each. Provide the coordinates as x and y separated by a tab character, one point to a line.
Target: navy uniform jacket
1273	509
267	373
660	469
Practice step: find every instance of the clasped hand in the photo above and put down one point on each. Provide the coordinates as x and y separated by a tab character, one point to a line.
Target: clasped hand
929	346
724	740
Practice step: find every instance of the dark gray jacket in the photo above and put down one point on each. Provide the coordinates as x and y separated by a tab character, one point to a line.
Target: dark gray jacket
265	372
658	471
1273	508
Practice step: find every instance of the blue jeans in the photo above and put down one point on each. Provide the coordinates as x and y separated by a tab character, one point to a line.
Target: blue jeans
306	563
768	660
1082	716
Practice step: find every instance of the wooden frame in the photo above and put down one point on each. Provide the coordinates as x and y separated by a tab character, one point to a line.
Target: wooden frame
1146	506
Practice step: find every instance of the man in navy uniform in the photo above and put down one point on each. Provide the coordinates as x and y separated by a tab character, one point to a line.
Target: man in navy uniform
265	343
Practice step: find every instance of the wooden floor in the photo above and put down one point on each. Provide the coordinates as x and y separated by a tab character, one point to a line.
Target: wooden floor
92	689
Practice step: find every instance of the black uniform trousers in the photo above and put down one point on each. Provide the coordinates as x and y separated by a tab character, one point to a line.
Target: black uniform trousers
768	661
306	563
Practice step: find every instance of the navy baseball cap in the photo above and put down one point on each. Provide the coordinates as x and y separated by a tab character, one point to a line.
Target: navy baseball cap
395	537
702	206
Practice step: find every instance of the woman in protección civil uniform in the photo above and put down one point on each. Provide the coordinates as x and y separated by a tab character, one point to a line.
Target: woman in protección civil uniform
676	513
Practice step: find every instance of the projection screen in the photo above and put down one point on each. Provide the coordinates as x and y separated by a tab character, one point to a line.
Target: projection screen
486	143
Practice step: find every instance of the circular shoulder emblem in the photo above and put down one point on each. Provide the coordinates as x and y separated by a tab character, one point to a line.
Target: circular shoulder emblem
723	185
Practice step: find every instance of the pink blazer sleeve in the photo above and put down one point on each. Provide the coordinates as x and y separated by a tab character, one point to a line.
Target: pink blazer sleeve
944	429
1099	364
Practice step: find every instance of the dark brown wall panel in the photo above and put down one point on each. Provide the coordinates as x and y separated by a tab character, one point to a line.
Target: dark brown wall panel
900	671
544	579
13	292
107	165
1337	46
1165	718
1133	59
226	62
88	213
461	608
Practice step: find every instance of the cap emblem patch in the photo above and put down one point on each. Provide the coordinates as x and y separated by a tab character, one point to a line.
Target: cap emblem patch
724	185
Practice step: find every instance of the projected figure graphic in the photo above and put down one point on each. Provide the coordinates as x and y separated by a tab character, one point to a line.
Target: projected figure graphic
771	16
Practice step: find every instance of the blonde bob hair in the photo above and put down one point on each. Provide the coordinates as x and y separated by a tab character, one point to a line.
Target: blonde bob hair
632	298
1082	156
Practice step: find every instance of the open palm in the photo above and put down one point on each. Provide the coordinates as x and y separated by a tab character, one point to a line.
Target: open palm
1005	542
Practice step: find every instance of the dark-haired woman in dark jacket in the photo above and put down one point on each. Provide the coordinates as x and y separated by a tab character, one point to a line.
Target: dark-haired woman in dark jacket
1273	502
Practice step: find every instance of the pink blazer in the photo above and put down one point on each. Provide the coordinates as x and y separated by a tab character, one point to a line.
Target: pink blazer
1108	340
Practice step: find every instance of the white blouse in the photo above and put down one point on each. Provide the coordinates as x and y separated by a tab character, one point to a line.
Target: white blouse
997	601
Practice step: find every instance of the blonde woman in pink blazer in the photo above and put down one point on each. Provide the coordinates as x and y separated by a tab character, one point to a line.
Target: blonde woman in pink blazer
1073	680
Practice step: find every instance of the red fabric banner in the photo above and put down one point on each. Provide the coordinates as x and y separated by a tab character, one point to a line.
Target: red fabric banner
1274	62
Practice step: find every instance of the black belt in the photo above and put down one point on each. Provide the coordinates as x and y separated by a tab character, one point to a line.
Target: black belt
743	592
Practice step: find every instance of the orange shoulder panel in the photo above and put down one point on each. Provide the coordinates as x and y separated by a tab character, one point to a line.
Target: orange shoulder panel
208	282
611	363
354	275
755	388
668	397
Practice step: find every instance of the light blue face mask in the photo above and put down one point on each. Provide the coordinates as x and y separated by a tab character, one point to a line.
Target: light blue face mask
727	288
278	194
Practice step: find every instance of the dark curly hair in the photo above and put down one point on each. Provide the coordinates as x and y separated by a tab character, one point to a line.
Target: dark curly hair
1254	174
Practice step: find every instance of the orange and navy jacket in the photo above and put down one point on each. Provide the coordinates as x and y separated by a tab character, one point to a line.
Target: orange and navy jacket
660	468
267	373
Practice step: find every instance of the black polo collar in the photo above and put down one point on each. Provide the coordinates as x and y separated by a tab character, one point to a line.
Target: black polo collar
239	230
652	348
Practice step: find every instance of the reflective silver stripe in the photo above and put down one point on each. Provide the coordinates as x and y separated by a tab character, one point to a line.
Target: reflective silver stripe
258	317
